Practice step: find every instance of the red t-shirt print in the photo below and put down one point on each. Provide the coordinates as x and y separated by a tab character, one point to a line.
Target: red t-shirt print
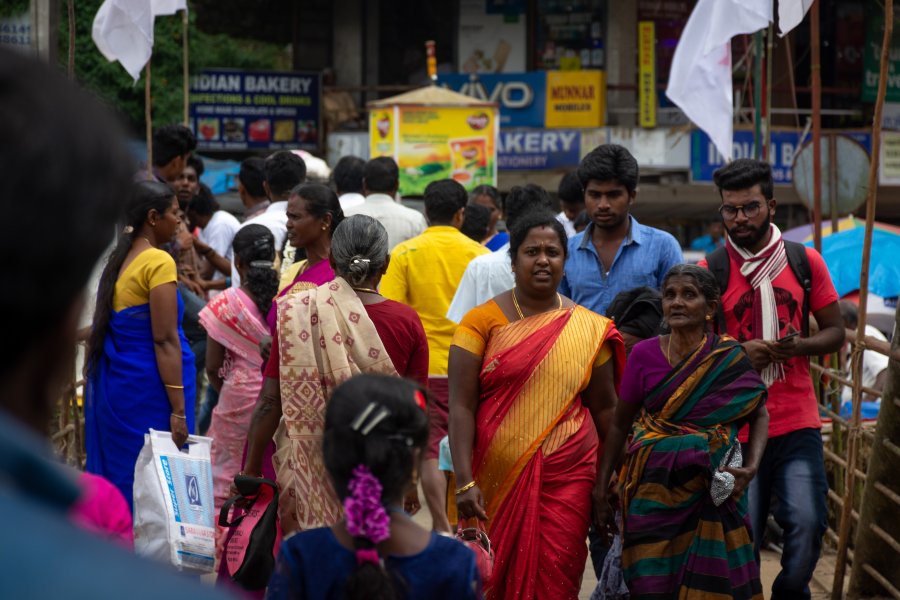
791	402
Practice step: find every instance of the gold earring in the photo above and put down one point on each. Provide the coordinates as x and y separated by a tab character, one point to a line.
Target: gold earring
709	317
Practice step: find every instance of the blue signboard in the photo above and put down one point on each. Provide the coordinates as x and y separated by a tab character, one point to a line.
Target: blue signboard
705	159
240	110
521	96
530	150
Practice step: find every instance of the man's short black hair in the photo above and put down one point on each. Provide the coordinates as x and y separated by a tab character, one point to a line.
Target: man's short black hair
348	175
204	203
443	199
284	171
62	151
382	175
477	219
744	173
252	175
170	142
609	162
570	189
196	163
523	199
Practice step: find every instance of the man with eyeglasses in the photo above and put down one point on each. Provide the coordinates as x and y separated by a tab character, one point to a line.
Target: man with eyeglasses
763	304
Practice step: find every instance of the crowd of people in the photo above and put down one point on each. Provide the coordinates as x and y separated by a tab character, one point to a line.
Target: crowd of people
599	397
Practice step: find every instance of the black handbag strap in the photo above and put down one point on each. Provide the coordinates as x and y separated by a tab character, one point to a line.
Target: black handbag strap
246	483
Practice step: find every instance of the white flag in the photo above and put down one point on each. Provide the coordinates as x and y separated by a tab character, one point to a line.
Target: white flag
123	30
700	78
791	13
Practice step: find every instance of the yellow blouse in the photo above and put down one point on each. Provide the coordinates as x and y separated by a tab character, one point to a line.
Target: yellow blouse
149	269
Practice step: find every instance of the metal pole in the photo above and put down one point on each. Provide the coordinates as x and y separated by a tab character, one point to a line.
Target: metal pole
816	72
70	69
837	589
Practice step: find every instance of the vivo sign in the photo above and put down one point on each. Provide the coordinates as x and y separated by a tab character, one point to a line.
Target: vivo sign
520	95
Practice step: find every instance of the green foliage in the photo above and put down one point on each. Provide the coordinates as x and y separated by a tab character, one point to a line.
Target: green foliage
13	8
114	86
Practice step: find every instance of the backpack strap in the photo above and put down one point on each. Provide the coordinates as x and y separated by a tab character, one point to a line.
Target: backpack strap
799	263
718	264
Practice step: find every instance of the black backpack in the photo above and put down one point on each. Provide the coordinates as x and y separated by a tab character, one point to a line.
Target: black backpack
718	263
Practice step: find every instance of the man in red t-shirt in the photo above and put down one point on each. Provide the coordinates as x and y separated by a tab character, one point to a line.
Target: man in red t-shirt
762	304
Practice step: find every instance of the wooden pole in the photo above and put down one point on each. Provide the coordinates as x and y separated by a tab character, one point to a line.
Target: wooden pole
757	94
791	80
185	64
837	589
148	118
816	72
70	68
770	36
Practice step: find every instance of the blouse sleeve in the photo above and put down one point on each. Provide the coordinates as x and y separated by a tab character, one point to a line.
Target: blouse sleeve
160	269
632	388
473	332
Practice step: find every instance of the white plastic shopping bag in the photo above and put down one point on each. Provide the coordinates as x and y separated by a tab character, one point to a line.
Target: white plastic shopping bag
173	502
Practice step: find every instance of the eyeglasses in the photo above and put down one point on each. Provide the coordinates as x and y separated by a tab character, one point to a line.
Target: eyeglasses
730	212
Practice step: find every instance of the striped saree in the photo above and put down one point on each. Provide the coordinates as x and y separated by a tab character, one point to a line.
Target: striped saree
677	543
536	447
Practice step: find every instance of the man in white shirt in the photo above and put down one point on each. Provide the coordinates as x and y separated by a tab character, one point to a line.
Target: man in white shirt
874	364
491	274
284	172
381	179
348	176
217	230
571	199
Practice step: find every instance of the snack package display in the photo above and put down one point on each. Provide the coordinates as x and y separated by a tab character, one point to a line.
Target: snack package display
467	158
173	502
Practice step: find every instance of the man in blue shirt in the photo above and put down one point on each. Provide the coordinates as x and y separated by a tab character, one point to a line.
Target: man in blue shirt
615	253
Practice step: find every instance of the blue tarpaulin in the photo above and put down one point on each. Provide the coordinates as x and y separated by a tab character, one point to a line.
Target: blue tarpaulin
843	255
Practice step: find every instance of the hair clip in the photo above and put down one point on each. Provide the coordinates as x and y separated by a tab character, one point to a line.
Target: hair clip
128	229
402	439
363	424
356	261
262	264
419	397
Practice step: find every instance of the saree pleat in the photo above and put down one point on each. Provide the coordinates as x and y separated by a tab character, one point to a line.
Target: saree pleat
677	543
325	338
536	448
125	396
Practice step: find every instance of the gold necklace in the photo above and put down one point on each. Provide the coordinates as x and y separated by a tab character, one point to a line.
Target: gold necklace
519	309
669	346
362	289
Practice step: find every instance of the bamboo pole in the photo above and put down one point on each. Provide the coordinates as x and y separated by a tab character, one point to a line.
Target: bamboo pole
816	72
148	118
70	65
791	79
757	95
770	36
837	589
185	62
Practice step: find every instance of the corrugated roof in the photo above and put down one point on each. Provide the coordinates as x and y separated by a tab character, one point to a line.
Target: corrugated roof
431	95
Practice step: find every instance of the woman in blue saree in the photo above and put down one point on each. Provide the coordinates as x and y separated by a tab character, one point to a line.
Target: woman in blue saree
140	367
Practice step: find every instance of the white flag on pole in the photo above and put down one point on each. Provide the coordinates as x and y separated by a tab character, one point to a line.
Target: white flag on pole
791	13
700	78
123	30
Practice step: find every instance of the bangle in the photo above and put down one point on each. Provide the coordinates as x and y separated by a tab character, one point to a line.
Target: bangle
465	488
182	417
173	387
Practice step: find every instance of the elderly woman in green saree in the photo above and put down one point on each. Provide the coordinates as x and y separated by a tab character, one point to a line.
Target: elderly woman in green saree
687	394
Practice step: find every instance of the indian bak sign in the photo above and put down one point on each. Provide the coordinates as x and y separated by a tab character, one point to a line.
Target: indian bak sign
240	110
537	150
541	99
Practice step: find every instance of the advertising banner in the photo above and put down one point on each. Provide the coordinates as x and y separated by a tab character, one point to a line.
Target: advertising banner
242	110
872	61
521	96
529	150
647	74
432	143
575	99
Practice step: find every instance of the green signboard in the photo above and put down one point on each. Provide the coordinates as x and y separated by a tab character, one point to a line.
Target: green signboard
872	60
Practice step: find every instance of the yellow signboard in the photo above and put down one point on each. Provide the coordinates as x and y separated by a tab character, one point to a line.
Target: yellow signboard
575	99
647	73
431	143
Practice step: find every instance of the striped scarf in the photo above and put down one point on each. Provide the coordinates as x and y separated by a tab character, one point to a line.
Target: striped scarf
760	270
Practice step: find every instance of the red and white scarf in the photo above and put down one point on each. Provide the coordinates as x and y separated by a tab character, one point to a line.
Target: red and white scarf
760	269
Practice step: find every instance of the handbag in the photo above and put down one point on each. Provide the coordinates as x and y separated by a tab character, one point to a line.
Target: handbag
254	536
476	538
722	483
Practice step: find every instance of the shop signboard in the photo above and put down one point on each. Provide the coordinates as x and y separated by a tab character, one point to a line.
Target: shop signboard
437	142
784	147
575	99
647	74
521	96
245	110
872	62
538	150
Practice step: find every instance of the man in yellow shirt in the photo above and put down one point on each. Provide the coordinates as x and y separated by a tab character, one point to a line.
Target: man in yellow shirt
424	273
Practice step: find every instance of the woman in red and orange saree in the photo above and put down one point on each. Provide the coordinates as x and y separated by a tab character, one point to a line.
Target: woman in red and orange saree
532	380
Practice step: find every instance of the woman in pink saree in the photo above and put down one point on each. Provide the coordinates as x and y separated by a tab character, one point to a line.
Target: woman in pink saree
235	324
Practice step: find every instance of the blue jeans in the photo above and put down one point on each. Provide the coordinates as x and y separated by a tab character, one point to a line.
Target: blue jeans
204	416
792	476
